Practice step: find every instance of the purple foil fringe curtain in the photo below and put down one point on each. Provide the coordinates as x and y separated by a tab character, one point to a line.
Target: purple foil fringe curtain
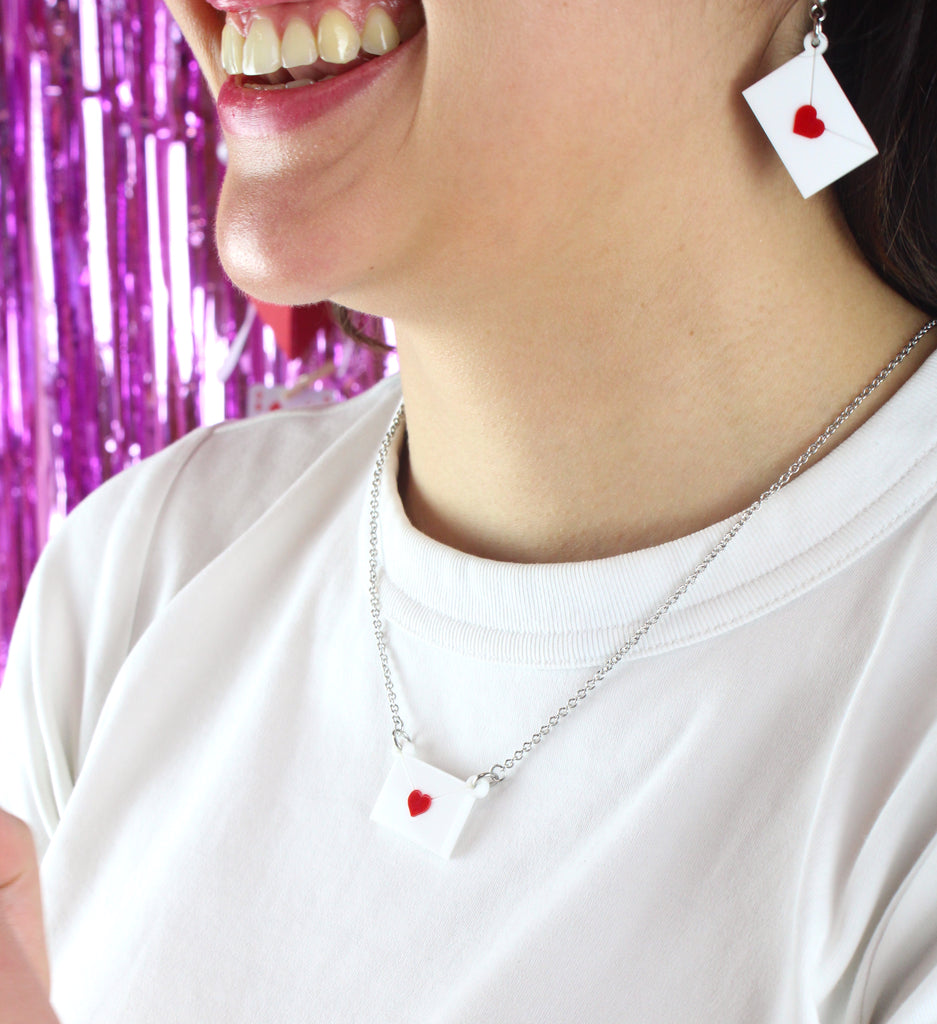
115	316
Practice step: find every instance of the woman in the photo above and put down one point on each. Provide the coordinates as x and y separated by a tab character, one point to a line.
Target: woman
618	324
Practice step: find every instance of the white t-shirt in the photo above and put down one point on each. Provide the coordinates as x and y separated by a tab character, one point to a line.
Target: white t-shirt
737	827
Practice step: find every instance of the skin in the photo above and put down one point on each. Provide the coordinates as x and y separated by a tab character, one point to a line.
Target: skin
24	965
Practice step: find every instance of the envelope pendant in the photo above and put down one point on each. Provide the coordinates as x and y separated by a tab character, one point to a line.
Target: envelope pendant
810	122
426	805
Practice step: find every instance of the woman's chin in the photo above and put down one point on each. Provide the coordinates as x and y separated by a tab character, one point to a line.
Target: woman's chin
263	280
278	249
264	259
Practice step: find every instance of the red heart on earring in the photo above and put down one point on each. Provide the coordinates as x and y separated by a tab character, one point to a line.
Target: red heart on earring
807	123
419	803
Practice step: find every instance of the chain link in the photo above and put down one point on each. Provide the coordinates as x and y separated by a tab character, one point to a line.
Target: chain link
818	14
497	772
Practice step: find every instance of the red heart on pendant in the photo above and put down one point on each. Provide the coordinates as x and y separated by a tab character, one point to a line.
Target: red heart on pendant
807	123
419	803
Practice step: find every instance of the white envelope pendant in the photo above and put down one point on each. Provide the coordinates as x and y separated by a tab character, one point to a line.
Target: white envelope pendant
810	121
426	805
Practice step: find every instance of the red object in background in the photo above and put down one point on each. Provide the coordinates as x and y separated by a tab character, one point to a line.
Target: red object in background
295	327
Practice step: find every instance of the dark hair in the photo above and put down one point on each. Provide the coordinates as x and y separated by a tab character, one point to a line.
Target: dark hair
347	322
884	53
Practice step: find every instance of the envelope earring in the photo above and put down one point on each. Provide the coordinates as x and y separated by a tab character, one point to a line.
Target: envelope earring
806	115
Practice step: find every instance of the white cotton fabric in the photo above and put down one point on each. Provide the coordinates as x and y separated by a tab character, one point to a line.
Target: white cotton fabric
738	826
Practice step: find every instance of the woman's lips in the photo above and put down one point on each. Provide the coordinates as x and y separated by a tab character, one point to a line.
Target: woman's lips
257	112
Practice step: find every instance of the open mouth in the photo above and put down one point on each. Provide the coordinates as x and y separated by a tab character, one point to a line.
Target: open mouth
296	44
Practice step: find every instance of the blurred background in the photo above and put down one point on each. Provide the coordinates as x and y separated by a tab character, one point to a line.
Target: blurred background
119	331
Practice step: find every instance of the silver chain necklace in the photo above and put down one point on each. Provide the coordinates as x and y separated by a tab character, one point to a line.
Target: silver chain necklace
414	788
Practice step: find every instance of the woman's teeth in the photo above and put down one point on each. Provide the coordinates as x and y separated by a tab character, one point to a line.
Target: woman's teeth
335	40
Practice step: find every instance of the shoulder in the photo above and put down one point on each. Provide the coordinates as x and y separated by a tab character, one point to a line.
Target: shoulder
284	444
136	542
139	539
257	459
235	474
214	483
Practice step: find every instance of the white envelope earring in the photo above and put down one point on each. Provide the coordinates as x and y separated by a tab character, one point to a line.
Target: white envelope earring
808	118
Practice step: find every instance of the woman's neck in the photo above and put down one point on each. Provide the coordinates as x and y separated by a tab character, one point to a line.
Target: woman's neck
647	396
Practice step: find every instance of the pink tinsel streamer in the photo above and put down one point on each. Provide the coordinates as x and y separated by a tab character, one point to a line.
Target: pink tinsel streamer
115	316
